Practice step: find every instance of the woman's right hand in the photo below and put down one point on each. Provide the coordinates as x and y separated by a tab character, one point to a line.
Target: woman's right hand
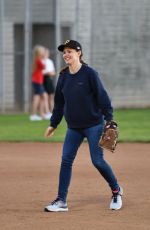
49	131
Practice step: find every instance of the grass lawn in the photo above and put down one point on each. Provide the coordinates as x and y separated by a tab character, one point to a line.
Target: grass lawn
134	126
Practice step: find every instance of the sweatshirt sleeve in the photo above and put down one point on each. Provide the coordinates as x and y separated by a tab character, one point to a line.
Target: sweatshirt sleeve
58	105
102	97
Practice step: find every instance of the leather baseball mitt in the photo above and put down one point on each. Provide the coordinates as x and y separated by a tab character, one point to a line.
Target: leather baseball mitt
109	136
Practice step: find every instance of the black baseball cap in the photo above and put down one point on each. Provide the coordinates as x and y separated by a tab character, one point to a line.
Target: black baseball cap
70	44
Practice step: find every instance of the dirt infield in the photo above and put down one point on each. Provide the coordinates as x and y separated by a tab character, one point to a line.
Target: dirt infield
29	178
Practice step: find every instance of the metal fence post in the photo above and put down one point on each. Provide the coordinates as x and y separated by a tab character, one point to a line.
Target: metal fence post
57	32
27	51
2	52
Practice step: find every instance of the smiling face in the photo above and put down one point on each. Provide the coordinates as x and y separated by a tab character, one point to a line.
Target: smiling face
71	56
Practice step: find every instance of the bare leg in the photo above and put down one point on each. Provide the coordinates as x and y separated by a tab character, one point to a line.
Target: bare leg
35	104
44	108
51	101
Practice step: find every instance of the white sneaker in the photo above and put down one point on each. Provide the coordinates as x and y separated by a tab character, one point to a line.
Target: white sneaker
47	116
35	118
116	201
56	206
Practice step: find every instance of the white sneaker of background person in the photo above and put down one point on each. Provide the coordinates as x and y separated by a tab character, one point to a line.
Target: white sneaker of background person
47	116
35	117
116	201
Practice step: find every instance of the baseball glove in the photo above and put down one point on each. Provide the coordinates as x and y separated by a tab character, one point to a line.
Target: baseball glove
109	136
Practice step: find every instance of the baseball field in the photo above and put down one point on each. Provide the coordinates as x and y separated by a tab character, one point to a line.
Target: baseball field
29	169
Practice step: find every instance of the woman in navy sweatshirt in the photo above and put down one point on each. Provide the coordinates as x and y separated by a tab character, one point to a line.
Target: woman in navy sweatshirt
81	98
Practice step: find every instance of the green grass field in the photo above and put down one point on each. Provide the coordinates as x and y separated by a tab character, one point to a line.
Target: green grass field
134	126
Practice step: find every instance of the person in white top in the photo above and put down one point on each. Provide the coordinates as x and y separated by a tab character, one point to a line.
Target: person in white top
49	74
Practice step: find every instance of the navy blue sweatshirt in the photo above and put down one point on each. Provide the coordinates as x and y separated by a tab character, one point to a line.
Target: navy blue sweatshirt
81	98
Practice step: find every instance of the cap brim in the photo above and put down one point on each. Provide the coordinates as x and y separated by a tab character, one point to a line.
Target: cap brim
61	48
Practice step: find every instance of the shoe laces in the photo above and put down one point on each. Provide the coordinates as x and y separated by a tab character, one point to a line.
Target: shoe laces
114	197
55	201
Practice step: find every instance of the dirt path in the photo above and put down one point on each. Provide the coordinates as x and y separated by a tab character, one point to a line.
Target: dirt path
29	178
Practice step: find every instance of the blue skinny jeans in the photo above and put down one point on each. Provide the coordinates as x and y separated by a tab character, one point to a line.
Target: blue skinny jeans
73	139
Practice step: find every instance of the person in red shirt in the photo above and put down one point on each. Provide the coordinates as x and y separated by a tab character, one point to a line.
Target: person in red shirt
40	100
